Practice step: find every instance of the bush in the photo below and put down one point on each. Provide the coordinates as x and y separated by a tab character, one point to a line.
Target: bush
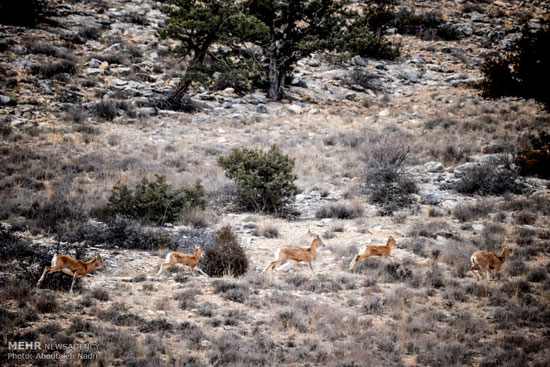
231	290
25	13
426	26
364	79
535	162
468	212
340	211
226	256
445	355
118	232
522	72
537	275
267	231
386	184
52	214
264	179
155	201
488	179
45	302
106	110
53	69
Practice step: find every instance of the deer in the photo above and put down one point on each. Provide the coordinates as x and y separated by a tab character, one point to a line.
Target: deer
488	261
191	261
373	250
297	254
72	266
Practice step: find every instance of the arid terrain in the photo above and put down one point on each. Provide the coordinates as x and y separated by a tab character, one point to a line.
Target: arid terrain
78	116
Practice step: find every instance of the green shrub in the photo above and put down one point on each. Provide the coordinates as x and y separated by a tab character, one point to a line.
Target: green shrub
25	13
522	72
155	201
264	179
535	162
226	256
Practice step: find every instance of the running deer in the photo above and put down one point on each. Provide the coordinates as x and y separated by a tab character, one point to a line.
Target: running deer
483	261
373	250
71	266
297	254
191	261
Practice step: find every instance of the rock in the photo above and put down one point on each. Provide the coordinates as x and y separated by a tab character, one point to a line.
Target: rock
433	167
408	73
533	26
384	113
259	97
94	63
122	70
358	61
7	101
417	59
250	226
314	63
206	97
462	29
93	71
261	109
298	82
432	199
460	169
294	108
478	18
140	102
113	47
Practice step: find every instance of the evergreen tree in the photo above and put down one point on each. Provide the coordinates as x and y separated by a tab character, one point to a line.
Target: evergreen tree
262	40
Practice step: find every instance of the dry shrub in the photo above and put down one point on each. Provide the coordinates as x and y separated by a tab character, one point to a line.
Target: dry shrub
226	256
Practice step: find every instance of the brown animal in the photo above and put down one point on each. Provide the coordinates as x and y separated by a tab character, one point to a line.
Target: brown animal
487	261
305	254
71	266
184	259
373	250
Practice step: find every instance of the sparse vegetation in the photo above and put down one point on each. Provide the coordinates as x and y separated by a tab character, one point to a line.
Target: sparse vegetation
488	179
355	134
386	183
340	211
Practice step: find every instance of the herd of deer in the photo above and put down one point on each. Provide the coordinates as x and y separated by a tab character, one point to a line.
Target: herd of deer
482	261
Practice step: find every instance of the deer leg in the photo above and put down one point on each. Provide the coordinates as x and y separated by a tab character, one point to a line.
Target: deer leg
74	280
311	267
161	266
202	272
194	277
353	262
87	283
271	265
473	269
46	270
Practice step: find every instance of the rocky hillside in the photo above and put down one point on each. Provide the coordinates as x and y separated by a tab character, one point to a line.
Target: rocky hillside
79	113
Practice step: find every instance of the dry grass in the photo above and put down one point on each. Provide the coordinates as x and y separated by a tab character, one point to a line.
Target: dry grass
421	307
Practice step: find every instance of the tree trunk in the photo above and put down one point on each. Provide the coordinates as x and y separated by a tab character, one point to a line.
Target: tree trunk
175	97
274	78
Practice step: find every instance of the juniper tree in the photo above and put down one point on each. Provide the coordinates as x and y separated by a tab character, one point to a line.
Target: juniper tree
264	39
265	181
